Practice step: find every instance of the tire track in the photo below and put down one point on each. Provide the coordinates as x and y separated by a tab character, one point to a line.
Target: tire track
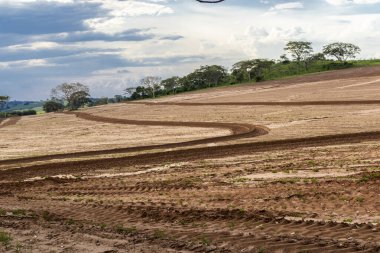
237	130
262	228
192	154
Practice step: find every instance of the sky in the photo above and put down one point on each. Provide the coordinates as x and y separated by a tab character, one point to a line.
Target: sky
111	44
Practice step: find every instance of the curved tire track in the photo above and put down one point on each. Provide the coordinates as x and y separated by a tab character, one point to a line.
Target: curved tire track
238	131
192	154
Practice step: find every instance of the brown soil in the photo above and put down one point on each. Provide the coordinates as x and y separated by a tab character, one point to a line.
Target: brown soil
9	122
249	191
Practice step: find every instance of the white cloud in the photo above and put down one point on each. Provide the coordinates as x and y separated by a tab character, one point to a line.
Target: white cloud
34	46
348	2
25	64
287	6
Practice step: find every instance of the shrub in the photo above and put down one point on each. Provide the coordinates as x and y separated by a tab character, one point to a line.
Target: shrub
52	106
5	238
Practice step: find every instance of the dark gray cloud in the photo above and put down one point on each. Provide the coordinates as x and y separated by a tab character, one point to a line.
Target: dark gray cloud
128	35
47	17
172	37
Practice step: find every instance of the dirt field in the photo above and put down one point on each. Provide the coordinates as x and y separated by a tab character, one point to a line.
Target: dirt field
281	166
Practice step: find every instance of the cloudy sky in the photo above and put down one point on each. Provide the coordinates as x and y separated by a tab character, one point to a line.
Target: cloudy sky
110	44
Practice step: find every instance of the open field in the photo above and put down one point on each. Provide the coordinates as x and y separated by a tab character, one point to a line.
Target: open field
280	166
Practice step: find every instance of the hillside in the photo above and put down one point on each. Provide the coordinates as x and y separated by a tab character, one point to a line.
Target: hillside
289	165
21	106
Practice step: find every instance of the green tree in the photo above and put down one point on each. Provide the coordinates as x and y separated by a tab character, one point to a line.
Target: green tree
152	84
341	51
119	98
138	92
252	69
101	101
213	75
284	59
64	91
171	84
205	76
299	50
52	106
78	99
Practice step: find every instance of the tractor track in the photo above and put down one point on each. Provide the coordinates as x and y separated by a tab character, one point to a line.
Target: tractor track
192	154
271	230
237	130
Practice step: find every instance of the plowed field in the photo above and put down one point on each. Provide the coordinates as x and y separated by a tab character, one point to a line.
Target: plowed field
280	166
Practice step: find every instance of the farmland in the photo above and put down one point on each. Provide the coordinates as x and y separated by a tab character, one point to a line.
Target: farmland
282	166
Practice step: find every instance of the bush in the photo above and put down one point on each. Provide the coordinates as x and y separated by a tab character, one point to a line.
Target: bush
17	113
52	106
5	238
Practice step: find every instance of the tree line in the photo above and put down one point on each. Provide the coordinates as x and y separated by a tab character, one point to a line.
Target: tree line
299	58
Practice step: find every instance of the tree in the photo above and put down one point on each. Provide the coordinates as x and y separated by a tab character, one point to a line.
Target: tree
213	75
252	69
299	50
52	106
64	91
341	51
317	57
284	59
3	101
240	71
152	84
205	76
138	92
78	99
170	84
119	98
101	101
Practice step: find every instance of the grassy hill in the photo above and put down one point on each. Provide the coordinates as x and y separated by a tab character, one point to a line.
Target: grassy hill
22	105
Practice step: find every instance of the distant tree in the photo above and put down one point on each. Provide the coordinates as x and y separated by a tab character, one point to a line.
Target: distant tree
284	59
3	101
64	91
258	68
101	101
130	90
317	57
138	92
78	99
241	71
252	69
152	84
299	50
341	51
52	106
205	76
213	75
170	84
119	98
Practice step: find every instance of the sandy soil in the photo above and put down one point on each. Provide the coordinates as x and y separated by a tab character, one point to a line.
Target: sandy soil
225	178
62	133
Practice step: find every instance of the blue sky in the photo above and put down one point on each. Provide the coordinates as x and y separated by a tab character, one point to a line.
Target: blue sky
110	44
